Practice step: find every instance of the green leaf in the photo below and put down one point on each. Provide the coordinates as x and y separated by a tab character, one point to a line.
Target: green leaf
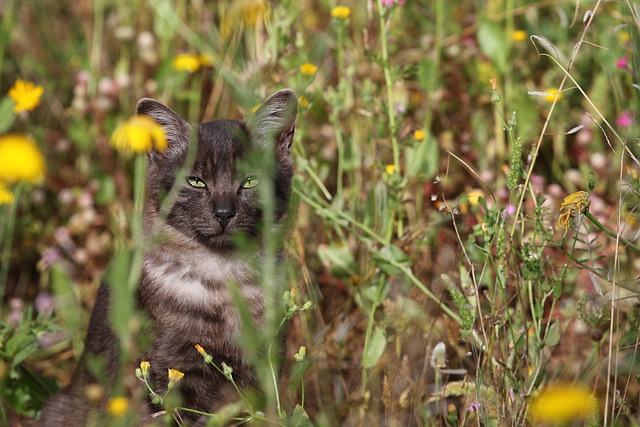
389	257
7	116
494	43
422	158
553	335
339	260
374	350
299	418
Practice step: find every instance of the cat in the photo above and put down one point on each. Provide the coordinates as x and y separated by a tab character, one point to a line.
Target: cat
192	257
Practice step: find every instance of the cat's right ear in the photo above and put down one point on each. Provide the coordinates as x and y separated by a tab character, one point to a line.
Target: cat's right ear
175	127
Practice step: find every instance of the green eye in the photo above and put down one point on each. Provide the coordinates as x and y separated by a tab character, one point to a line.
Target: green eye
250	182
196	182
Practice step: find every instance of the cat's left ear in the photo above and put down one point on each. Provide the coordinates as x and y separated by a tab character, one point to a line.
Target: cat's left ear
275	121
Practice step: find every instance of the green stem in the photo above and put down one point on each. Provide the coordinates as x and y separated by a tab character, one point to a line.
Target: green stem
610	232
7	239
136	221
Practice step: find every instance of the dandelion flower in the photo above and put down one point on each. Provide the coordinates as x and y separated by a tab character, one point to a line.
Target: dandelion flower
563	404
390	169
118	406
303	101
186	62
6	197
576	202
207	357
139	134
144	368
20	159
174	377
205	60
552	94
341	12
474	197
248	12
26	95
519	36
308	69
419	135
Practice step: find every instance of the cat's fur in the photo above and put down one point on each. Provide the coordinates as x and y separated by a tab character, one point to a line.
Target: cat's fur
191	257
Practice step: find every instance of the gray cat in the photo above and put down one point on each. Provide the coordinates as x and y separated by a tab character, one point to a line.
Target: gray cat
192	257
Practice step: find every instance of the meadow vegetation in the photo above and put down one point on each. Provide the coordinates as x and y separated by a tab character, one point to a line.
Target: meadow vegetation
463	243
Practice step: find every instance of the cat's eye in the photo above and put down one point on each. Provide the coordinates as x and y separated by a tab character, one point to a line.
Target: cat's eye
196	182
250	182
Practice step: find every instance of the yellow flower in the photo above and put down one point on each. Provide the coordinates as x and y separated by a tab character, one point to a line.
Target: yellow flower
624	36
139	134
248	12
6	197
519	36
174	377
308	69
205	60
419	135
144	367
390	169
552	94
26	95
186	62
563	404
576	202
474	197
340	12
200	349
20	159
303	102
118	406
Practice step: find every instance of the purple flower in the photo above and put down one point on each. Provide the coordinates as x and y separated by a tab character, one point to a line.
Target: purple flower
622	62
474	406
44	303
625	120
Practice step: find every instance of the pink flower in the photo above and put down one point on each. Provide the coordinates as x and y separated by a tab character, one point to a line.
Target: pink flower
625	120
389	3
622	62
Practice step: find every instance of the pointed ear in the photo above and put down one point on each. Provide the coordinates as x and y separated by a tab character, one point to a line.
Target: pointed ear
275	121
175	127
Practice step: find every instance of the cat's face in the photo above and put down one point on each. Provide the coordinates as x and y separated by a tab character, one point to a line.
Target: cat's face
219	196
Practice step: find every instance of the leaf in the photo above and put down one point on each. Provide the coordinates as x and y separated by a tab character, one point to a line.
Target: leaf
7	116
553	335
339	260
374	350
299	418
422	158
494	44
389	257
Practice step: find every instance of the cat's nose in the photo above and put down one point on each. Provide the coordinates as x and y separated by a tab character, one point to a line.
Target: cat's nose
224	214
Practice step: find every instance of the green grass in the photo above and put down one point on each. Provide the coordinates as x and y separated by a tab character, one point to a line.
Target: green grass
438	276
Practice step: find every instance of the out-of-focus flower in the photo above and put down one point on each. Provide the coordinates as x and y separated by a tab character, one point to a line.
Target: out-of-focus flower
44	303
174	377
206	60
26	95
341	12
6	197
139	134
308	69
303	101
20	159
390	169
622	62
186	62
575	202
625	119
118	406
389	3
552	94
519	36
474	406
419	135
474	197
624	36
248	12
563	404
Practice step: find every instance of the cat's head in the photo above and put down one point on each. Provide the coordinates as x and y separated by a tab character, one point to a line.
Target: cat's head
218	181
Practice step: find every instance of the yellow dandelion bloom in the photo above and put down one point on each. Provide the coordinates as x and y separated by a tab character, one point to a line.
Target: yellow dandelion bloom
118	406
474	197
6	197
308	69
20	159
174	377
552	94
390	169
144	367
139	134
340	12
419	135
303	101
575	202
200	349
186	62
26	95
563	404
519	36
